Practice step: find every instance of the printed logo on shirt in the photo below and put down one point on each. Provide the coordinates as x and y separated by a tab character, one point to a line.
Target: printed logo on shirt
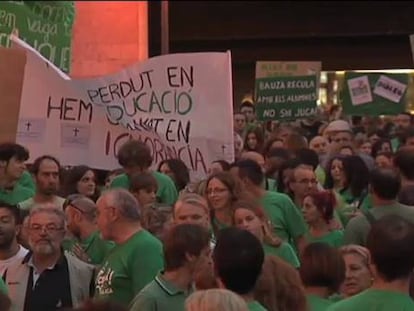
104	280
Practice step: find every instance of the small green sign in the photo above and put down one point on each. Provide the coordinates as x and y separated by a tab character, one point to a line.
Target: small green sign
286	98
374	94
45	25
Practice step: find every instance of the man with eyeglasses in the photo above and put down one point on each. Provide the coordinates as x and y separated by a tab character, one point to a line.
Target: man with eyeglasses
87	244
302	183
48	278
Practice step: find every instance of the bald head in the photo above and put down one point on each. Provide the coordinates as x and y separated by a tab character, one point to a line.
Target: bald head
319	144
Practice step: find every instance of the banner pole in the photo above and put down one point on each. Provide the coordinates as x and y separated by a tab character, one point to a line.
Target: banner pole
164	28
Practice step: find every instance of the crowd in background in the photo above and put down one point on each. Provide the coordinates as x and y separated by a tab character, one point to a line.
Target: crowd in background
314	214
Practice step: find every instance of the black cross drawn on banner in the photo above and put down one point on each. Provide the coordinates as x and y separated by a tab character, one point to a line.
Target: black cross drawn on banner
75	131
28	126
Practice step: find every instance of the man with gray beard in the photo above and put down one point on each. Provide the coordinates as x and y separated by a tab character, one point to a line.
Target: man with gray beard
48	278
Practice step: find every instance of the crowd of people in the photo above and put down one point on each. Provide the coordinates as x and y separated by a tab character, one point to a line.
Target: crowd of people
312	215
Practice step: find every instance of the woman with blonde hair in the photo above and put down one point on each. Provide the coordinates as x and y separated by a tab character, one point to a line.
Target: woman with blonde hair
215	300
250	216
279	287
358	276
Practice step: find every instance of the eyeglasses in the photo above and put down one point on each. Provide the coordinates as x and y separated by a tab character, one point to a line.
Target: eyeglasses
308	181
69	202
49	228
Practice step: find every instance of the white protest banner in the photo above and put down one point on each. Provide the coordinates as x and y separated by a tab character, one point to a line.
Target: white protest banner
390	89
359	90
180	105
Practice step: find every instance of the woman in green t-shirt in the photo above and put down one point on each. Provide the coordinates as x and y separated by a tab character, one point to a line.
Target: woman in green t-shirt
318	212
250	216
222	189
348	176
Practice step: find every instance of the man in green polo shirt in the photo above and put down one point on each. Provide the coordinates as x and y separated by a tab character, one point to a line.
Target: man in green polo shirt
87	244
186	247
390	243
135	157
385	185
238	259
12	167
137	257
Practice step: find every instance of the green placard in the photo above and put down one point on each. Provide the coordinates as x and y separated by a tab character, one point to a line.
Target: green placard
286	98
374	93
45	25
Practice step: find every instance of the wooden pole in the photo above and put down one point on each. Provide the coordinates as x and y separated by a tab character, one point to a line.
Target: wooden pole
165	40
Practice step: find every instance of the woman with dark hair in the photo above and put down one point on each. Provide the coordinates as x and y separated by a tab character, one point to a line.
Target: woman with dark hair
254	140
349	177
177	170
322	272
318	211
81	179
383	145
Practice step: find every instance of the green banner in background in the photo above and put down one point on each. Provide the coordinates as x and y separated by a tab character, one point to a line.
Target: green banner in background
374	93
45	25
286	98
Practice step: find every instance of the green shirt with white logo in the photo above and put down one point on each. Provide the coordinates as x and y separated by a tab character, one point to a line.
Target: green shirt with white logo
160	295
129	267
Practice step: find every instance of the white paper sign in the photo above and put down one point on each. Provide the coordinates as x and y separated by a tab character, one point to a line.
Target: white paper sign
390	89
180	105
31	130
360	90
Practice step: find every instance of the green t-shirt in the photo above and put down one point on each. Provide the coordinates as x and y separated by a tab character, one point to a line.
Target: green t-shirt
284	251
160	295
356	231
317	303
287	221
255	306
375	300
334	238
347	204
129	267
395	144
94	246
26	180
3	287
320	174
166	193
16	195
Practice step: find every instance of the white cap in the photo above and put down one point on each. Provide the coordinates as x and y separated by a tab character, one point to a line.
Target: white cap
338	126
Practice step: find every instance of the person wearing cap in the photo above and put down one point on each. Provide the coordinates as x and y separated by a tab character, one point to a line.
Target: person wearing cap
340	135
87	245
